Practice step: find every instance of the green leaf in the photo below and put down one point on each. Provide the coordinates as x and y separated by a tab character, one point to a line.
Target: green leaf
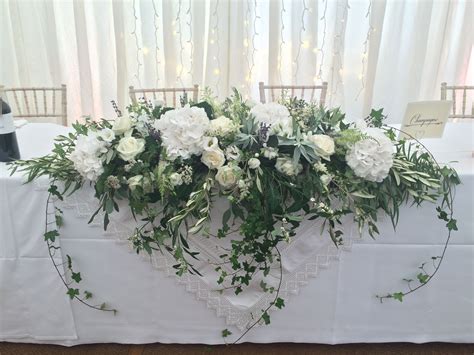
76	276
51	235
226	217
72	292
87	295
398	296
362	194
423	278
226	332
452	225
266	318
59	220
279	303
109	205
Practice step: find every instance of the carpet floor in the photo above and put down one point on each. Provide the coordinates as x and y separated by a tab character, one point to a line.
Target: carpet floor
241	349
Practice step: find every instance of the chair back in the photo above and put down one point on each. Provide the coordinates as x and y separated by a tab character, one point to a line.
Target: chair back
462	98
170	96
38	104
307	92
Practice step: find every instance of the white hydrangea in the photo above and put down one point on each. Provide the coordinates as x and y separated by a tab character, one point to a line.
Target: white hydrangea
183	131
87	155
274	114
371	158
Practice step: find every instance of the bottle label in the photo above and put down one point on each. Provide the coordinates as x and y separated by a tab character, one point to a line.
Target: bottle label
6	123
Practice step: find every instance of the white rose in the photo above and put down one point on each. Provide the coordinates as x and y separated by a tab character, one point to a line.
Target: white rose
233	153
183	131
227	176
176	179
222	126
254	163
270	153
285	165
122	125
129	147
371	158
106	134
213	158
324	145
135	181
210	143
276	115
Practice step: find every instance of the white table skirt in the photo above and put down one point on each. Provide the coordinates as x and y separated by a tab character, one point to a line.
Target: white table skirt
337	306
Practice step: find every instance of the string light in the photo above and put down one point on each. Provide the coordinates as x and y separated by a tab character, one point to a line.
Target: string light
190	42
179	68
247	45
338	44
303	44
282	40
323	18
134	33
214	31
157	48
365	53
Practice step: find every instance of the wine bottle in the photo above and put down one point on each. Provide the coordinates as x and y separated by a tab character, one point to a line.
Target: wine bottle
8	143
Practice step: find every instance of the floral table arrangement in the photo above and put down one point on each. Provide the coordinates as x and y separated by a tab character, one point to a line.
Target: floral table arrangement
275	163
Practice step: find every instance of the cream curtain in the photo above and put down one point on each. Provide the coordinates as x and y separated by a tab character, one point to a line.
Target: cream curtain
373	53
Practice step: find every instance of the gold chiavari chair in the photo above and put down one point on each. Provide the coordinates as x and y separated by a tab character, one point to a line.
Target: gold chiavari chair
164	94
461	96
301	91
38	104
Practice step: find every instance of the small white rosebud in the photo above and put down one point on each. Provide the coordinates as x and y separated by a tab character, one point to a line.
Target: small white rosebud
254	163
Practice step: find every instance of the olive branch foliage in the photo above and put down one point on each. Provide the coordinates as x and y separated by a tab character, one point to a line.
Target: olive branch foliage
274	204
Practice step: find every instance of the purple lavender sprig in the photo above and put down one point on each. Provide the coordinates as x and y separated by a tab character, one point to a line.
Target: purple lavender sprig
264	132
154	133
116	109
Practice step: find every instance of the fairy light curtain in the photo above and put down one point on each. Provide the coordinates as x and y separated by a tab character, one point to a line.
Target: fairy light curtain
373	53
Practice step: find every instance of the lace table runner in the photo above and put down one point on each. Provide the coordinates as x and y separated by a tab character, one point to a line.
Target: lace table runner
302	258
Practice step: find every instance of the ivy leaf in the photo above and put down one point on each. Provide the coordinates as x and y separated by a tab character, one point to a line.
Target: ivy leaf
226	332
423	278
76	276
452	225
72	292
59	220
279	303
51	235
87	295
266	318
398	296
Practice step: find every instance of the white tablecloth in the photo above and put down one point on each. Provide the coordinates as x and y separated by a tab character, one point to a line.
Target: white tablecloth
335	304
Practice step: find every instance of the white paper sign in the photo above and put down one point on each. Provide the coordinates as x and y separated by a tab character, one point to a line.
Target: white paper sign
425	119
